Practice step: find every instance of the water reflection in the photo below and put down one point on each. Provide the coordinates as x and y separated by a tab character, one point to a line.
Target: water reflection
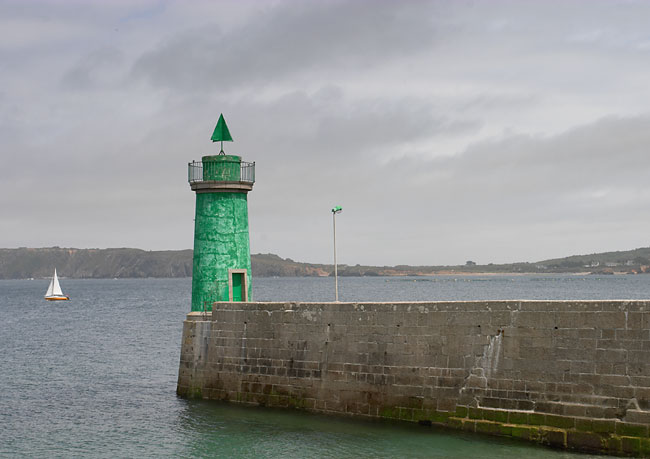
228	430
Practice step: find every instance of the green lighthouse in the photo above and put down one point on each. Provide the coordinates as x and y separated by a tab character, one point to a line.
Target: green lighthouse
222	261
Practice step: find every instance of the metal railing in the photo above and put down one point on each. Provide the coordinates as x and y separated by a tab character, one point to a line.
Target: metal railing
246	172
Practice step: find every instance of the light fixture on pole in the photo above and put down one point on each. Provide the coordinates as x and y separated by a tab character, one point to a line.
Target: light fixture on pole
336	210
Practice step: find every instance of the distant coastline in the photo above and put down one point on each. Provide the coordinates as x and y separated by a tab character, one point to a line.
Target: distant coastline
26	263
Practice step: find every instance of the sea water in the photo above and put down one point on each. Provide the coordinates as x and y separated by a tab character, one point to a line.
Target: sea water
96	376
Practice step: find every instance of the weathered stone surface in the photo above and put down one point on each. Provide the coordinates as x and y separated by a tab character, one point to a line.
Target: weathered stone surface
574	374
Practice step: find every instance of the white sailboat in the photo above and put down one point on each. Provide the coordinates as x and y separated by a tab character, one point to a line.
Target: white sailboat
54	290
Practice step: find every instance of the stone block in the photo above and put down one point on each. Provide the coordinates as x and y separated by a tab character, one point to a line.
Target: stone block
532	320
638	357
553	437
563	422
574	410
461	412
487	427
455	423
440	417
611	355
645	447
469	425
546	407
638	416
613	445
446	403
585	441
495	415
604	425
536	419
515	417
584	425
631	445
525	432
628	429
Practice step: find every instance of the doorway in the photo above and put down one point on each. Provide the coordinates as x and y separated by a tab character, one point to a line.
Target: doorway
237	285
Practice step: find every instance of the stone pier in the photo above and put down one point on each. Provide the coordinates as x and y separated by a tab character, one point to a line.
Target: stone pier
568	374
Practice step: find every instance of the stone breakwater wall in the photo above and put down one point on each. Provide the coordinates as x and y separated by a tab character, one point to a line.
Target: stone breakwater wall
570	374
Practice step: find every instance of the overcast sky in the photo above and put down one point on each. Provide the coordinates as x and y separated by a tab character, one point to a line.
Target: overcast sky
492	131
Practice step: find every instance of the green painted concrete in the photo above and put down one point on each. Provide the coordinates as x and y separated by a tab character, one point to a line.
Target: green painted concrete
222	168
221	240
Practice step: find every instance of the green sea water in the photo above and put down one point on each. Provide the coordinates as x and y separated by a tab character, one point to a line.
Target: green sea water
96	376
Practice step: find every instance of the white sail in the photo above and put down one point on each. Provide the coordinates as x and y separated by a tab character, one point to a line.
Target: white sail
54	288
49	289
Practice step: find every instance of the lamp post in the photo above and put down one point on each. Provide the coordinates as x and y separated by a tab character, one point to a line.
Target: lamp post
335	210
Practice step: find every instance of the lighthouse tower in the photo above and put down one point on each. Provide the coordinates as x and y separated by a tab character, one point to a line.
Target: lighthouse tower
222	261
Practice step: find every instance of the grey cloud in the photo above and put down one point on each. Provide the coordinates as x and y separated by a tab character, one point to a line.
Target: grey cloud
597	169
598	151
94	69
297	37
515	174
496	101
369	124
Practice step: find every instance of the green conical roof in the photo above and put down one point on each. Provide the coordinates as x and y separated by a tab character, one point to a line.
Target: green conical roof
221	132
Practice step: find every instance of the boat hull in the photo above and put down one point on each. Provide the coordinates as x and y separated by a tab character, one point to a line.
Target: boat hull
57	298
